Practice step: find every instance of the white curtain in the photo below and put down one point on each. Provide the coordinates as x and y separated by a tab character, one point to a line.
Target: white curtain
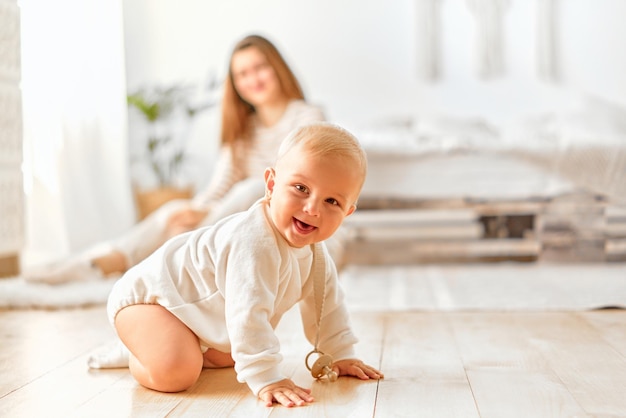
76	171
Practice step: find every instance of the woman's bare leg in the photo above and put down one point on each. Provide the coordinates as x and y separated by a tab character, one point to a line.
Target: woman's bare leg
165	354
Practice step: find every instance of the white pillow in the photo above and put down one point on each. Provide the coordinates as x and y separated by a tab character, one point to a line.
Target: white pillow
451	132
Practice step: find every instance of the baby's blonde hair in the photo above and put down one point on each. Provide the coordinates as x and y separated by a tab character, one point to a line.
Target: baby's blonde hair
326	139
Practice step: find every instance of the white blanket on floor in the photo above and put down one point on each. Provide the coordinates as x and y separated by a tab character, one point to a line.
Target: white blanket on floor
16	293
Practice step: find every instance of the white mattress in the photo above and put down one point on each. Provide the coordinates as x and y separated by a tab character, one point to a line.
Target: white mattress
459	175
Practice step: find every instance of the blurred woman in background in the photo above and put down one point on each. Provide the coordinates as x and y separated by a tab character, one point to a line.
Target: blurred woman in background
262	102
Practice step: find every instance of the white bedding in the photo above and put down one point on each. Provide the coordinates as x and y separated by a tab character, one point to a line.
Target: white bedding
532	156
590	123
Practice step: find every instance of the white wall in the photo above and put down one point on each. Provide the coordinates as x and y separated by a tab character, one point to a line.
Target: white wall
357	58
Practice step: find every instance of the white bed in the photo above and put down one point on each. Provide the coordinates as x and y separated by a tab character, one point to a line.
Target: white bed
554	175
581	148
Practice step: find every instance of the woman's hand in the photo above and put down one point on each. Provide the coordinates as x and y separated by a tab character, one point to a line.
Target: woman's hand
286	393
184	220
356	368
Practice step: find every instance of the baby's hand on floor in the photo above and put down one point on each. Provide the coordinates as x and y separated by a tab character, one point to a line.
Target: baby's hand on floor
356	368
286	393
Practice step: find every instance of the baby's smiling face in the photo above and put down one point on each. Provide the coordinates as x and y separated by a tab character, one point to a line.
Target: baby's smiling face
311	195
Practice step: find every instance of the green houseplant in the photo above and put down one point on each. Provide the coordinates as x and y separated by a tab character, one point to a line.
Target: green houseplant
166	112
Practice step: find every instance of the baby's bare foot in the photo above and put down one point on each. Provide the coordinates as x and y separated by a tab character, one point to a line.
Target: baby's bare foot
214	359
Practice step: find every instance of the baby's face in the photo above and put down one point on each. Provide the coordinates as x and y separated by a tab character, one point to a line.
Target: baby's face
311	196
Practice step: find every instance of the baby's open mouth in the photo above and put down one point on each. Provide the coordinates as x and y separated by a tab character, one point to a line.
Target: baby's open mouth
303	227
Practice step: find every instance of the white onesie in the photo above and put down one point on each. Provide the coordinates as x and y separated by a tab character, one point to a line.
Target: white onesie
231	283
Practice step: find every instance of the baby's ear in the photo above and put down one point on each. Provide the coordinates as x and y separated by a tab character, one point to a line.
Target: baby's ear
351	210
269	179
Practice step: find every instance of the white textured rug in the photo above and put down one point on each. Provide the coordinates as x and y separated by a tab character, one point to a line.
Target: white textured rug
18	294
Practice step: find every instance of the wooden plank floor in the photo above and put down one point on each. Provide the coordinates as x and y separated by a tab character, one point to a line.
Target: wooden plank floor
437	364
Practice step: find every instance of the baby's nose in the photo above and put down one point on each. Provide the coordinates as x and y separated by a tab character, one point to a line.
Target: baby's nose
311	207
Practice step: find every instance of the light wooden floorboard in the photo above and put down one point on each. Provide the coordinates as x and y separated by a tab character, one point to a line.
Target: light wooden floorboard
424	373
592	370
472	363
508	376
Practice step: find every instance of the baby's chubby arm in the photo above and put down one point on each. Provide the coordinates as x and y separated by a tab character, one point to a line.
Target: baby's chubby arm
286	393
356	368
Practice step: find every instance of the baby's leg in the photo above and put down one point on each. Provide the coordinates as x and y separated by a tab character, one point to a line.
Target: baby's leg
214	359
165	354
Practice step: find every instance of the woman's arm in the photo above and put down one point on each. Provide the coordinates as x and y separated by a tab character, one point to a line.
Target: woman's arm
226	173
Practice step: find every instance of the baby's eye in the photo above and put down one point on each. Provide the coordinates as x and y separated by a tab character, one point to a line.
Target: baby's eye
301	188
332	201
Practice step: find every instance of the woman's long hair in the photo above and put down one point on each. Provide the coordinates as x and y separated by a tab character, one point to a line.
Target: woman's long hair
235	111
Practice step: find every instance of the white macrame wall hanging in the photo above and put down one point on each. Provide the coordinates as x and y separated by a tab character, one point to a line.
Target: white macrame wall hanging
489	15
489	42
428	39
11	189
546	38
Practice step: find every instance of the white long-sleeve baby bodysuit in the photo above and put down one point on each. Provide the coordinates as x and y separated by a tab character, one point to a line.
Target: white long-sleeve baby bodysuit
231	283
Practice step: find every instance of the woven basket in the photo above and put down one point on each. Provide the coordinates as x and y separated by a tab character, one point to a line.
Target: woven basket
150	200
